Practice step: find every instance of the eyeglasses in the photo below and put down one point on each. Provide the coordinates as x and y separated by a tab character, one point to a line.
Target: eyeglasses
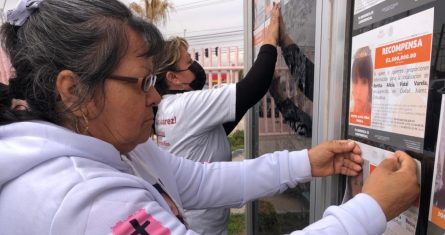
147	82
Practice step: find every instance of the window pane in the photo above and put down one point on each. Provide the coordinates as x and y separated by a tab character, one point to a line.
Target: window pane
285	115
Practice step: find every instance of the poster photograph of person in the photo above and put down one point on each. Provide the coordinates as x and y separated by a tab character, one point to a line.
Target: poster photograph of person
389	79
405	223
361	87
437	207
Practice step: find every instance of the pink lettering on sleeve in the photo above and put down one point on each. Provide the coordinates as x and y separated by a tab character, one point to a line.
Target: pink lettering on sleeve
140	223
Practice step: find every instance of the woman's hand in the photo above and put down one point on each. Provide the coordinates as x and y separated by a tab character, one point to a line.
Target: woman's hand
335	157
393	184
273	30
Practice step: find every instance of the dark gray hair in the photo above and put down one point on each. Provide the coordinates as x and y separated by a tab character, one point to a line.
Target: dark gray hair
88	37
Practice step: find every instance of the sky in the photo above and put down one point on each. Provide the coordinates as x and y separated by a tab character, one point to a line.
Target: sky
206	22
203	22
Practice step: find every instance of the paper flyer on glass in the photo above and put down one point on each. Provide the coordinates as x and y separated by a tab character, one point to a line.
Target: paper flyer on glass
437	207
405	223
263	12
367	12
390	72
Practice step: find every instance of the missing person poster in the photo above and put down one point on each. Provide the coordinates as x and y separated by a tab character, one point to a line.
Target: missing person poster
437	207
406	222
390	73
367	12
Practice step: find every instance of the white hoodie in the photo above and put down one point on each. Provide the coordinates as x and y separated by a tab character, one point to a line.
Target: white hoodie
54	181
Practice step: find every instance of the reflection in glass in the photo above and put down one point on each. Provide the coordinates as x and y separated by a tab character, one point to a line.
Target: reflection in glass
286	113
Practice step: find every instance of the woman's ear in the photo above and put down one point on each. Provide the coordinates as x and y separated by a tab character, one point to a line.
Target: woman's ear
66	83
172	79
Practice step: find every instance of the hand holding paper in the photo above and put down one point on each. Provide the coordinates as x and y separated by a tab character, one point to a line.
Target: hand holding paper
393	184
336	157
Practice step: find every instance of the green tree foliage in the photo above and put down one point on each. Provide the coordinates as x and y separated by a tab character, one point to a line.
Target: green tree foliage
236	140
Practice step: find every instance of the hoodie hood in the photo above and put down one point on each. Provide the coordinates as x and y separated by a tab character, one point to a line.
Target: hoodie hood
25	145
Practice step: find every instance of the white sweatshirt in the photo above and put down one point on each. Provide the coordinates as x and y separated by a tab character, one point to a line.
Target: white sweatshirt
190	125
54	181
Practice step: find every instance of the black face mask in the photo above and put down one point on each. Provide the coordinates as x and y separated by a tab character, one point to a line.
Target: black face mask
200	76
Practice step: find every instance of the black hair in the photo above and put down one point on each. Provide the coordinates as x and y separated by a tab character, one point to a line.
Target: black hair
88	37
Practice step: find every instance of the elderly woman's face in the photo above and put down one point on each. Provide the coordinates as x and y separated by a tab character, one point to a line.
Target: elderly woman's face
125	117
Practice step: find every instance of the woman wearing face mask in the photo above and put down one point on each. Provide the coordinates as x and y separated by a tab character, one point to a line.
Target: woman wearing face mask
188	118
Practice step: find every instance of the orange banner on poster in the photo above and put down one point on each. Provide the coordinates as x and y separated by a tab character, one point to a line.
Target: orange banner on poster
360	119
411	51
438	217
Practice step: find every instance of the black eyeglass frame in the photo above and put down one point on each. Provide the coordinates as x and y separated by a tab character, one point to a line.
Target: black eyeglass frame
181	70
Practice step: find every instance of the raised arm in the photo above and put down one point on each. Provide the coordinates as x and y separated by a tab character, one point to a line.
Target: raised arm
256	83
300	67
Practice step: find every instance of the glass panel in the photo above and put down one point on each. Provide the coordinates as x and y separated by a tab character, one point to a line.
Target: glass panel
285	115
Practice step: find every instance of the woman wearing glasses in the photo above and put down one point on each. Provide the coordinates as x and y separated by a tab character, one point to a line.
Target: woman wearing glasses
77	160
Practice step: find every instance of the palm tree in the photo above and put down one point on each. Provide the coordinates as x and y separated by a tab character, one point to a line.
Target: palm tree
154	10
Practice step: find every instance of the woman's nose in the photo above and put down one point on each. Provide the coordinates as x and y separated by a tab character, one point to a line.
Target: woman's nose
153	97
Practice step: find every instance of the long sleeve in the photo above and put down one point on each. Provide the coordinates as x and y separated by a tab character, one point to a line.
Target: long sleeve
301	68
302	71
297	119
255	84
232	184
360	215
